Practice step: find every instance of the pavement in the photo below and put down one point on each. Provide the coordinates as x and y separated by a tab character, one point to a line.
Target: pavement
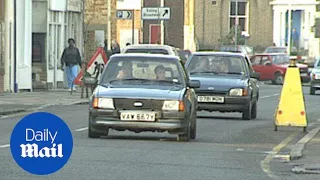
11	103
226	147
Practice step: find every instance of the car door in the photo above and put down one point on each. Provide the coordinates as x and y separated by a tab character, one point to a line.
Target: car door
256	64
266	68
190	92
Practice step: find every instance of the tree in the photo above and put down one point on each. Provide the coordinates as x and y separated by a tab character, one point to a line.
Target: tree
230	38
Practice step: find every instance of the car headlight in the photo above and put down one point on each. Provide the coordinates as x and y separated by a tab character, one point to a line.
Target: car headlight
238	92
103	103
173	106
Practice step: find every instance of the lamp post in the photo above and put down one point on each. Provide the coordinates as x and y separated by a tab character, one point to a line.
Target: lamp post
236	24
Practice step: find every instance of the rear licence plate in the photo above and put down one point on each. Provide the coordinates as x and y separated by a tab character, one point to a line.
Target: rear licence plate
137	116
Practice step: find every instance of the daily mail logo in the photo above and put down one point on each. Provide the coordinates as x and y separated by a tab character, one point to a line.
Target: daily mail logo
41	143
32	150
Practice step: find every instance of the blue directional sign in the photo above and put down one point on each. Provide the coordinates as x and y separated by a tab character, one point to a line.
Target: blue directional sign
124	14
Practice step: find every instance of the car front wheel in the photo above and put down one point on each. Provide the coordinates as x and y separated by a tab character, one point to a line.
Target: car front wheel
185	136
246	114
312	91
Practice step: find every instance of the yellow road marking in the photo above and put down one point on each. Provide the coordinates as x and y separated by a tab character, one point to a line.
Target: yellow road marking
265	163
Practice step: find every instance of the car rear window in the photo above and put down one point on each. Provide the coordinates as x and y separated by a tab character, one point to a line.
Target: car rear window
148	51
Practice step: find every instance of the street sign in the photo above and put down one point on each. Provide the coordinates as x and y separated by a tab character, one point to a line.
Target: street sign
124	14
155	13
100	57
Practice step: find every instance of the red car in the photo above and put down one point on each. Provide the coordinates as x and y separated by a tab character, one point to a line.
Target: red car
273	67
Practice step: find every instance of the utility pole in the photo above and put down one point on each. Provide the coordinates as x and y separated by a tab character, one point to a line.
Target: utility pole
15	84
289	28
109	24
236	24
162	25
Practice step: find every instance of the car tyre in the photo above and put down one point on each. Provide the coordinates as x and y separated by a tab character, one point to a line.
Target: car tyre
246	114
254	110
92	134
278	79
193	133
185	137
312	91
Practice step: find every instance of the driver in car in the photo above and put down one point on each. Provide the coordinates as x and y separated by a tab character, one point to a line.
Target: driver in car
160	72
224	65
202	65
126	70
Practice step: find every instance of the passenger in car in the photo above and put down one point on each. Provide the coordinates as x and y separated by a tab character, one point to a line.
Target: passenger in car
126	71
160	72
202	65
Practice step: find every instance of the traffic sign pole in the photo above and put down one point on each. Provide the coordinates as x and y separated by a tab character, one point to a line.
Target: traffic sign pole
132	26
162	25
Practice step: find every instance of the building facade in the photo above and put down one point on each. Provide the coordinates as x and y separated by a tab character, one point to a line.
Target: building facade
215	18
300	32
96	24
2	43
129	30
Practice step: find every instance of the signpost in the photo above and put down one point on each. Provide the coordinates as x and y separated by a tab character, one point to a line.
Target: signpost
157	13
127	15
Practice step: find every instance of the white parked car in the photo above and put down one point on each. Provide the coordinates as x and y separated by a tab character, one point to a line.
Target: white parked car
315	77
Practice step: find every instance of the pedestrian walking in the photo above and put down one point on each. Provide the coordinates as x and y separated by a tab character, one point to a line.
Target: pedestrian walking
70	60
115	47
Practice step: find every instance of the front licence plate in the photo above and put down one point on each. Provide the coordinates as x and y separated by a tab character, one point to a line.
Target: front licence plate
138	116
216	99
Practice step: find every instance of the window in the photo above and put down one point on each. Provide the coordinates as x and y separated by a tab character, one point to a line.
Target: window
242	15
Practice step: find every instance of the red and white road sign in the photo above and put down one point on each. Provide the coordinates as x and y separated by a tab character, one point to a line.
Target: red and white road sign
100	57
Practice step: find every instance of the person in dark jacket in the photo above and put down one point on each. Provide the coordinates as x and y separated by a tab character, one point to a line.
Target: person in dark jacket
108	52
70	59
115	47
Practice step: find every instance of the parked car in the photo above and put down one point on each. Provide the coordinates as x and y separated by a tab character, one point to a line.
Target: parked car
275	49
315	77
144	92
228	82
247	50
273	67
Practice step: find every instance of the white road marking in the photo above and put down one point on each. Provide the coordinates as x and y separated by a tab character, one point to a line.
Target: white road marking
5	146
81	129
268	96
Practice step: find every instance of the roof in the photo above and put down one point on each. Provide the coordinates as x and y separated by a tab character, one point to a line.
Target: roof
147	46
218	53
146	55
276	47
266	54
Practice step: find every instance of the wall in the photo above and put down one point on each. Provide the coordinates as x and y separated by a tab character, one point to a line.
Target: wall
212	22
2	44
96	18
125	26
174	27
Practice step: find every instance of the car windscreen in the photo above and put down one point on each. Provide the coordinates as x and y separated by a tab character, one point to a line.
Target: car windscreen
280	59
149	71
217	65
147	51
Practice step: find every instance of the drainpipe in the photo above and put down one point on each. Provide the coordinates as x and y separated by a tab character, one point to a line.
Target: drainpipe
15	88
203	21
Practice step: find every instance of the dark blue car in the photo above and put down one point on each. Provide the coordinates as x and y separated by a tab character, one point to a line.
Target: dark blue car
228	82
144	92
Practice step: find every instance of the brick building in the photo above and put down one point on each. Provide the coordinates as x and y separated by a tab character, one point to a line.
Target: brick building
96	19
173	28
214	19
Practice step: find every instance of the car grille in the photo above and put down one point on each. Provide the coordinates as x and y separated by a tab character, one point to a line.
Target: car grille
210	93
128	104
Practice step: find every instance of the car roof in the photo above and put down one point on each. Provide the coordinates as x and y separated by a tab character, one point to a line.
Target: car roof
270	54
219	53
148	46
146	55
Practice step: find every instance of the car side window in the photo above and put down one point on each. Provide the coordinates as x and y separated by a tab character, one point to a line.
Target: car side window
265	60
249	65
256	60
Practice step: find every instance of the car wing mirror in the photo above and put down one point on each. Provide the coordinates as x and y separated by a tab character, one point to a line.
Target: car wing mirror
193	84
